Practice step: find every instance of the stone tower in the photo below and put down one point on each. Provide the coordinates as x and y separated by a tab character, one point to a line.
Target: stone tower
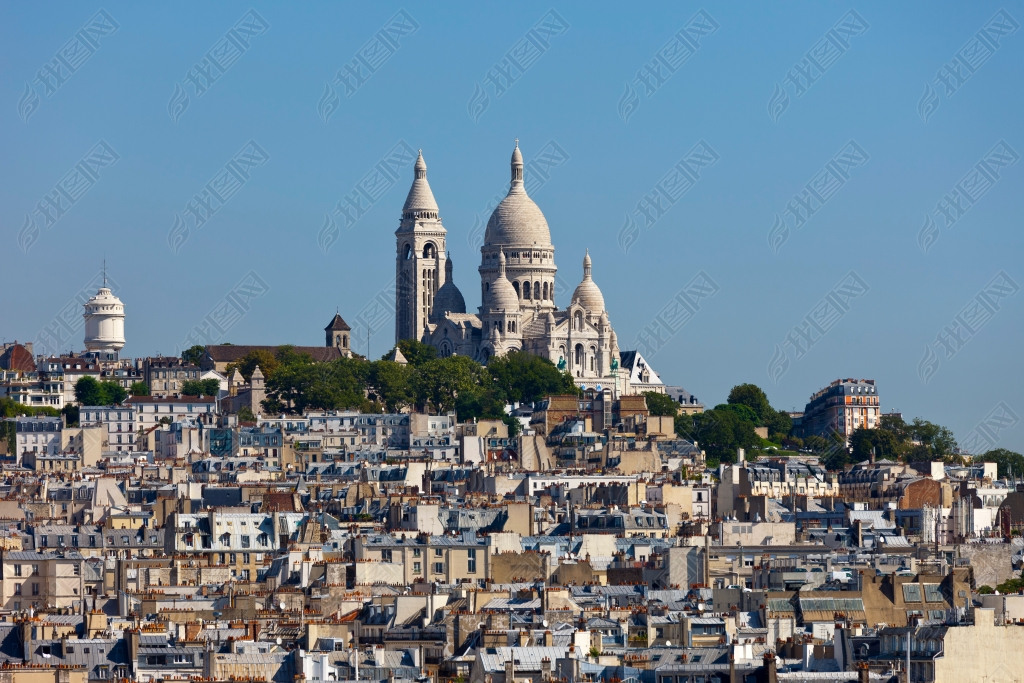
420	257
338	334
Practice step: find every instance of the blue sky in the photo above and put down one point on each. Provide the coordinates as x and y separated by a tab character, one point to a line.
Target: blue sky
582	62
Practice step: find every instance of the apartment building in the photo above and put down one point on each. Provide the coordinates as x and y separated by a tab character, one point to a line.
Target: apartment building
843	406
120	423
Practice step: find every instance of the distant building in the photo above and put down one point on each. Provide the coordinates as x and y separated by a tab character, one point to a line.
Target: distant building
339	335
120	423
165	375
104	324
843	406
219	356
688	403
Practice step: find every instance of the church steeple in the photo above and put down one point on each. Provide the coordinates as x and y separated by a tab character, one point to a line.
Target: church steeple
420	266
420	203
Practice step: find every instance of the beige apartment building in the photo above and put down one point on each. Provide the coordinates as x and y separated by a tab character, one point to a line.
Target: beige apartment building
445	559
32	579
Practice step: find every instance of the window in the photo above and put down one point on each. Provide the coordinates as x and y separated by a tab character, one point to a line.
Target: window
438	552
77	569
35	589
417	568
245	541
415	552
17	589
471	560
17	570
439	567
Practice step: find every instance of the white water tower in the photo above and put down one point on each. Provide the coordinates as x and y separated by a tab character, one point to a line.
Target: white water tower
104	322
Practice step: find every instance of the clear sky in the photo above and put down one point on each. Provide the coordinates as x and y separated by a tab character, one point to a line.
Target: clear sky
98	113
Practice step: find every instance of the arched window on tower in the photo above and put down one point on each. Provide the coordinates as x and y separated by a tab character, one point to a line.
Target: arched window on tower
428	250
593	356
536	290
526	289
546	291
578	359
408	251
515	286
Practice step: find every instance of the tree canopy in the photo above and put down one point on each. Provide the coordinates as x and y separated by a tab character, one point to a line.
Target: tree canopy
201	387
661	405
1007	462
90	392
139	389
11	408
430	384
193	354
266	359
521	377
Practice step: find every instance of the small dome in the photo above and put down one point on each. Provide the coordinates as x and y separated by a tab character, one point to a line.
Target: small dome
448	298
502	295
421	199
588	294
517	221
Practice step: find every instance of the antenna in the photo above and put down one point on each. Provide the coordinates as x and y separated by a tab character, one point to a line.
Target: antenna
104	270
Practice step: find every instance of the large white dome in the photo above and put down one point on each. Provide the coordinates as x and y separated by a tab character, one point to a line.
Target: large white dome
517	221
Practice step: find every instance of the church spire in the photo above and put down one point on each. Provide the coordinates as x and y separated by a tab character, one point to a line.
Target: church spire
586	266
420	203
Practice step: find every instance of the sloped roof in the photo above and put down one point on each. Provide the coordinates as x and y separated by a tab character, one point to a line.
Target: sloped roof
337	324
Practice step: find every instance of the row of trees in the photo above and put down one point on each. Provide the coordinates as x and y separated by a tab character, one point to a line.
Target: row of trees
427	383
727	427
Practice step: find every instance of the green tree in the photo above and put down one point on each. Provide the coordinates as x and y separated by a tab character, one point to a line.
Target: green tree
886	444
720	432
753	397
245	414
201	387
416	352
139	389
438	384
89	392
1007	462
11	408
266	359
779	425
661	405
393	383
193	354
71	415
300	384
521	377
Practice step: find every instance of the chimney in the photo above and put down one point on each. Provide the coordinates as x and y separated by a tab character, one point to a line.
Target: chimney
863	673
549	639
524	638
771	667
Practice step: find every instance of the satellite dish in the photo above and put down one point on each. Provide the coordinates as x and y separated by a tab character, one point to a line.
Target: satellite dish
668	643
544	623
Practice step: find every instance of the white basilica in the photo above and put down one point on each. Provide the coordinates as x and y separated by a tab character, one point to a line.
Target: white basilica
517	281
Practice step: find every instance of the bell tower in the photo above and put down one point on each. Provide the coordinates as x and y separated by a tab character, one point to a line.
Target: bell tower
419	259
